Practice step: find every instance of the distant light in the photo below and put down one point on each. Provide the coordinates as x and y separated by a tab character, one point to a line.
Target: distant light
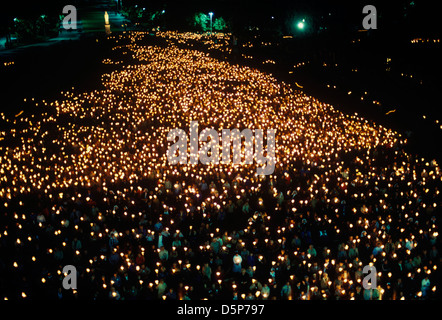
164	11
210	14
300	25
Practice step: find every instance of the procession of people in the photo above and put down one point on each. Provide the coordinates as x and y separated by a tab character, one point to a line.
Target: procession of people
87	183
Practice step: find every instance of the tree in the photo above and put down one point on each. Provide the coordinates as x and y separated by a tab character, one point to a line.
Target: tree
219	24
201	21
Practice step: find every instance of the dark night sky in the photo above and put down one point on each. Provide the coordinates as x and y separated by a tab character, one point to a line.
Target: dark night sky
400	16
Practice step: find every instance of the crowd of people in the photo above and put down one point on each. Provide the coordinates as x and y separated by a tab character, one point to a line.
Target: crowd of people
87	183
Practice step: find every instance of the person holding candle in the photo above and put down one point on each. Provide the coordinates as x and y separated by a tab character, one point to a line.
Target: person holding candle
237	261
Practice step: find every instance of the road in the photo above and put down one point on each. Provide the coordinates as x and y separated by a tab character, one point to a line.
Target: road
90	20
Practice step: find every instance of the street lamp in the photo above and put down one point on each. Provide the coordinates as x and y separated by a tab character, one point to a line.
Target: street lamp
43	17
210	15
301	24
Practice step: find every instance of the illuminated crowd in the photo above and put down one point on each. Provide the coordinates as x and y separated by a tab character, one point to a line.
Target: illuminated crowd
85	181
